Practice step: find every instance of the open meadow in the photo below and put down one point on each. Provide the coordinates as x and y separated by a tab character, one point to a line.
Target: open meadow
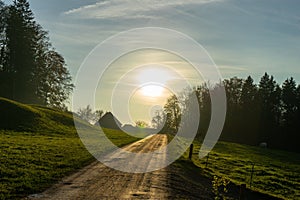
275	172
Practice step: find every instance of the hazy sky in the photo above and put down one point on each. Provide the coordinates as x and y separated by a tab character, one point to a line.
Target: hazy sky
244	37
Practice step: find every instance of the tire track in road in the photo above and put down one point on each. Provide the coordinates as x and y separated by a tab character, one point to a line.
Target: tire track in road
98	181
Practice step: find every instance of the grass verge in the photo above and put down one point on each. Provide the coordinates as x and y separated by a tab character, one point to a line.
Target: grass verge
276	173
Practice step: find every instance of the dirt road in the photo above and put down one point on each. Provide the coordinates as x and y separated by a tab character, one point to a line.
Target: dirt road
97	181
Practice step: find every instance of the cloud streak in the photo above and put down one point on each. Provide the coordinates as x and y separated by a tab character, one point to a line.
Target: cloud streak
131	9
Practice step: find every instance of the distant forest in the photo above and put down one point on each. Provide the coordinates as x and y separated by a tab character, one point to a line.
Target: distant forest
31	70
264	112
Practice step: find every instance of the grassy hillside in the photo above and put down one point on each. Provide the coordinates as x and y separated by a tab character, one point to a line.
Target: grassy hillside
15	116
276	173
39	145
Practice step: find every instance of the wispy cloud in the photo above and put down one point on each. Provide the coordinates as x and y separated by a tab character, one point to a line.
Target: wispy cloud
131	9
232	68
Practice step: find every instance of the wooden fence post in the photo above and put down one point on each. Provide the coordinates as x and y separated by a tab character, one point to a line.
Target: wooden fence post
191	151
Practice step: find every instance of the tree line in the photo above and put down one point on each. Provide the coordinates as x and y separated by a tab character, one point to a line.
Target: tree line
31	70
264	112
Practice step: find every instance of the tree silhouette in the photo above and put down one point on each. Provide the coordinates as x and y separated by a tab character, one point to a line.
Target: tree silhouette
248	112
233	88
158	120
141	124
87	114
266	112
269	107
290	110
173	114
31	71
203	95
289	102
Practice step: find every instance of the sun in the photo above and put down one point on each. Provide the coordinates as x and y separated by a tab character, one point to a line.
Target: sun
153	80
152	90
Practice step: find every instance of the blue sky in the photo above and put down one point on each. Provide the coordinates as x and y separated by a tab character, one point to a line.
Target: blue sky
243	37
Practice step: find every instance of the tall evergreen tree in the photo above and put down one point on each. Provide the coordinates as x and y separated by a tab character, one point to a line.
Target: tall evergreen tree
289	102
20	51
268	107
233	87
248	112
31	70
290	114
248	93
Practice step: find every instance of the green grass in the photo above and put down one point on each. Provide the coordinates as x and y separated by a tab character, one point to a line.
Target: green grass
39	146
15	116
30	163
276	173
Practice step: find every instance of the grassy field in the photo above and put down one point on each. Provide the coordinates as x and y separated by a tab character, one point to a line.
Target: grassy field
39	146
276	173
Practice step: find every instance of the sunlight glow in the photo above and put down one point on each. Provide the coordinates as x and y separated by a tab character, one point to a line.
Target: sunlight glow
152	90
155	75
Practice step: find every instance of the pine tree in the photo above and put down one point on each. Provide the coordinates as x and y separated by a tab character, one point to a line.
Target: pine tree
232	128
32	71
248	93
290	115
248	112
20	58
269	107
289	102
